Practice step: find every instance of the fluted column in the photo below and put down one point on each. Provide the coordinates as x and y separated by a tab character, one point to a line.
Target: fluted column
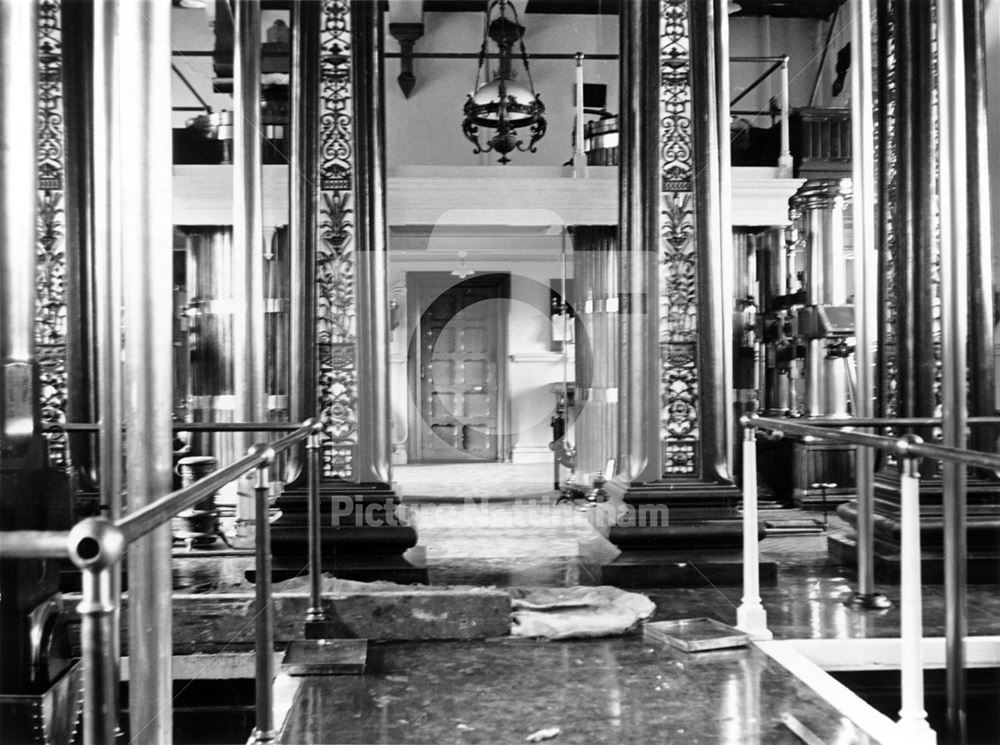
638	383
595	300
374	436
714	394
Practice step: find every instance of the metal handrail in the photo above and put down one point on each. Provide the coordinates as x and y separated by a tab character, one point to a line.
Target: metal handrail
96	544
185	427
900	445
751	615
34	544
142	521
780	62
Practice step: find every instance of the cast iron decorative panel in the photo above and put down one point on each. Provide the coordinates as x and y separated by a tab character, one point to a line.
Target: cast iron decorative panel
679	431
336	305
50	272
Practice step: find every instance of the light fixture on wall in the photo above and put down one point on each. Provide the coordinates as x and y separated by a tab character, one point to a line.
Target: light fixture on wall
463	271
502	104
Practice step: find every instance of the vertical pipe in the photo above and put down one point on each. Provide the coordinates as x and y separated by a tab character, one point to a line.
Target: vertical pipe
639	434
579	156
264	730
912	716
303	170
108	288
315	612
953	210
143	74
725	248
98	609
95	546
865	292
785	156
374	456
18	171
248	236
751	616
982	381
713	396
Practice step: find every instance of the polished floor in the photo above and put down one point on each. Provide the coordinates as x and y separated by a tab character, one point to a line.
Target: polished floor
500	525
622	690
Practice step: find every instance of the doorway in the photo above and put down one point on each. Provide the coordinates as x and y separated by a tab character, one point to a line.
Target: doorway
457	367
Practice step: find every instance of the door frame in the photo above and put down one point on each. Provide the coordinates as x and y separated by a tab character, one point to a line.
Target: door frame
420	293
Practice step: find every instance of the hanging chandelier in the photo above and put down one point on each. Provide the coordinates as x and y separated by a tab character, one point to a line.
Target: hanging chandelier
503	104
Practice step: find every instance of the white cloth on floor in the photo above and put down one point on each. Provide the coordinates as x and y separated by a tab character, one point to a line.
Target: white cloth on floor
569	612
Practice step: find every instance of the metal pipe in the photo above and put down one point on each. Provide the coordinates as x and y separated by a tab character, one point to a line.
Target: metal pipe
953	211
758	80
143	55
95	546
194	91
912	715
315	612
248	229
34	544
724	249
145	519
108	288
373	461
18	193
639	186
493	55
923	449
865	295
712	306
264	731
303	174
982	369
785	156
578	149
751	615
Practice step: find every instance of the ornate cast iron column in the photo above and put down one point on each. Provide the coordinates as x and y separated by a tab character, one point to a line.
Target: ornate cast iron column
363	538
51	278
673	474
912	292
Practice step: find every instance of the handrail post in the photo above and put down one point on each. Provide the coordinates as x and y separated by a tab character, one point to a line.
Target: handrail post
751	616
912	716
785	156
95	546
315	619
264	730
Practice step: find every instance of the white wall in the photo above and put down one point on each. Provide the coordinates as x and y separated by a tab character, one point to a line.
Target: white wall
802	39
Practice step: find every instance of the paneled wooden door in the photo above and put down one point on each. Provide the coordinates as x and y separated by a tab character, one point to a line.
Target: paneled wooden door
457	370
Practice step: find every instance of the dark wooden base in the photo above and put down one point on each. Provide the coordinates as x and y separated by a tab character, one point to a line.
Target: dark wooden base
360	536
698	543
690	568
821	463
982	567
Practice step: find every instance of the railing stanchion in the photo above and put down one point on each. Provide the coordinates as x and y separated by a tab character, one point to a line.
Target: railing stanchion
751	616
95	546
264	731
315	619
912	716
785	156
